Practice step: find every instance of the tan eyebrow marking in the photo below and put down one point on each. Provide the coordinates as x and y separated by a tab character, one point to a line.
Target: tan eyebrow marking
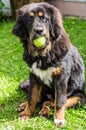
40	14
31	14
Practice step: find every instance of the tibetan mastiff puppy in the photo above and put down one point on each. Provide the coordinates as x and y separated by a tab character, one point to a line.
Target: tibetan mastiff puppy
56	68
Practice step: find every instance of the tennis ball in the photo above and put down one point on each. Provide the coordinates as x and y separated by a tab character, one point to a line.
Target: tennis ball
39	42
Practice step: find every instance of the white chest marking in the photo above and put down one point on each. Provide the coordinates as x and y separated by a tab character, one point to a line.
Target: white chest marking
44	75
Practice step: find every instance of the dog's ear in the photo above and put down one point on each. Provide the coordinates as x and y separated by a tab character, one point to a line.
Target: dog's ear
62	45
19	29
55	20
54	29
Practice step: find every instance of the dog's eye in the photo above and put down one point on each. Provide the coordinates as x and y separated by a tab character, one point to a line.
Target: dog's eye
30	19
44	19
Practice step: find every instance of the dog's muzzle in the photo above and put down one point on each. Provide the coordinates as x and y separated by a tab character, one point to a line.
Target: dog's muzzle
38	30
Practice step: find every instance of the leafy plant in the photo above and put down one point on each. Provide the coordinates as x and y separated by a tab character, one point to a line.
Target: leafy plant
2	15
1	4
1	12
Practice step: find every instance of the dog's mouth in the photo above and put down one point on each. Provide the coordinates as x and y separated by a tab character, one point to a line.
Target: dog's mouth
40	42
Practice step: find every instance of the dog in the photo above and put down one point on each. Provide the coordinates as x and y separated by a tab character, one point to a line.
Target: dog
56	69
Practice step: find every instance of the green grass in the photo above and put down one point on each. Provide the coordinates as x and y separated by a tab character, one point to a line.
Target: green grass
13	70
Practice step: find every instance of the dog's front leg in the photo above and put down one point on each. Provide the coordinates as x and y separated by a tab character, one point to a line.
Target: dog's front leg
60	100
34	97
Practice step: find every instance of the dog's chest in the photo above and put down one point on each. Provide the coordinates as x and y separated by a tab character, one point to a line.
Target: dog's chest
44	75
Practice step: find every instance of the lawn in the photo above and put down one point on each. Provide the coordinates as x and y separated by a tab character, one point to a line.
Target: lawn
13	70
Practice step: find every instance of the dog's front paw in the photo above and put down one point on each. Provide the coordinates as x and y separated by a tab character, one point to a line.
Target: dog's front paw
45	112
22	106
59	123
24	111
24	115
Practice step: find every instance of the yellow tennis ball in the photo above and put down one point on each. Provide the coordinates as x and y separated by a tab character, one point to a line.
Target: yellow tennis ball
40	41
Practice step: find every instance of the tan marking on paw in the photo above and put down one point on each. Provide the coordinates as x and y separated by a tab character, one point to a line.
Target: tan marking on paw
22	106
45	112
26	113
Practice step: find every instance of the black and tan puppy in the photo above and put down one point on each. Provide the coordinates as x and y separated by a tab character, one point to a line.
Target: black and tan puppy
65	90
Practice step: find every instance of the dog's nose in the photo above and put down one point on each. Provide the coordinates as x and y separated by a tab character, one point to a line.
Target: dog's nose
38	30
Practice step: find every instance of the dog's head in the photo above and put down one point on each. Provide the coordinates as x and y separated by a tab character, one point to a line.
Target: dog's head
35	20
